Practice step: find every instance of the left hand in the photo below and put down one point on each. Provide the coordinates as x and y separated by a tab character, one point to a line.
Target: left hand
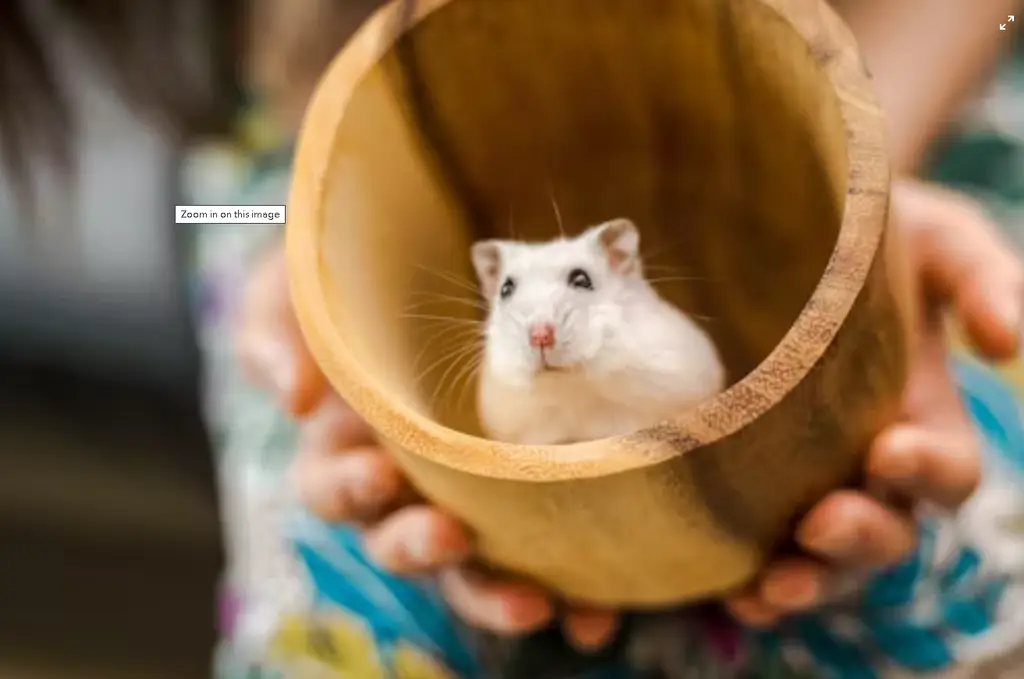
932	454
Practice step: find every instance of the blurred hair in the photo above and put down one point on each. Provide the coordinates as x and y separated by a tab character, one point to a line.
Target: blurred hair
175	61
292	42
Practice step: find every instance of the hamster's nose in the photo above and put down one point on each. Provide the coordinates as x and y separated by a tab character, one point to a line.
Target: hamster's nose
542	335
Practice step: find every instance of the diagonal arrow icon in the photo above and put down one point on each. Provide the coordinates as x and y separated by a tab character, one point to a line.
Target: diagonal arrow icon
1002	27
1010	17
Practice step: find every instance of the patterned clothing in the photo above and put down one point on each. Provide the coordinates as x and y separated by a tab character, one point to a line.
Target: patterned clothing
303	601
945	605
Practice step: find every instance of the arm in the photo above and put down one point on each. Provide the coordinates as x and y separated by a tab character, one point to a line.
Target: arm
928	57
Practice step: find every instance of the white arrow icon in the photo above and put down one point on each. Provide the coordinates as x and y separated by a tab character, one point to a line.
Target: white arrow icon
1002	27
1011	17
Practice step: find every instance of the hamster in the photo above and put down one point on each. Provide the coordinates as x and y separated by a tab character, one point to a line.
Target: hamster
578	345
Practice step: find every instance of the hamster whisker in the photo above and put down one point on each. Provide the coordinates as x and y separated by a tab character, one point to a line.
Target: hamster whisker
454	333
566	318
451	355
650	255
674	270
451	278
454	320
467	375
437	298
467	352
672	279
558	213
473	361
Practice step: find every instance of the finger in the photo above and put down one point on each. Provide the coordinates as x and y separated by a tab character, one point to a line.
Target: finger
794	584
334	426
856	530
269	343
932	465
964	257
750	608
418	538
355	486
501	606
589	629
931	396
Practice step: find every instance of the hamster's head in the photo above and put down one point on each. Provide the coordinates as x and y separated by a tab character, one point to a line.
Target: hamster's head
557	306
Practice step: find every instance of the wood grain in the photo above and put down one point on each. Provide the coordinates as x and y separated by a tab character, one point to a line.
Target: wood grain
741	136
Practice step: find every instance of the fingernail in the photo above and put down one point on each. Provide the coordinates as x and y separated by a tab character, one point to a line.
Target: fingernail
831	540
896	459
426	550
753	612
900	465
527	611
589	632
792	593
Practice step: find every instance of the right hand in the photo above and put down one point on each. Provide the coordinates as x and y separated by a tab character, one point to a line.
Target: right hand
341	474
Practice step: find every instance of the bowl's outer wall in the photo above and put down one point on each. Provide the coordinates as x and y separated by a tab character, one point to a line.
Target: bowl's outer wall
721	491
719	500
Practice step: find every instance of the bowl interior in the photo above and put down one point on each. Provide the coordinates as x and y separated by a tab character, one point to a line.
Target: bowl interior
710	124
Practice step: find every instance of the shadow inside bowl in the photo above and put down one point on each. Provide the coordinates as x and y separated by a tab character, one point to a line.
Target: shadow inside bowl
715	130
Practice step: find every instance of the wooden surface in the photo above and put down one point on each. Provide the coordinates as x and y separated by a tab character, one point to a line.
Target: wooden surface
742	138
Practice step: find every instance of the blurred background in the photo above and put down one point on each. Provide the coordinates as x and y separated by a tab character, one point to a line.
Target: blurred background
141	489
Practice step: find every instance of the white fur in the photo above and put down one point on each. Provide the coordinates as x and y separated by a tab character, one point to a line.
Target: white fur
625	358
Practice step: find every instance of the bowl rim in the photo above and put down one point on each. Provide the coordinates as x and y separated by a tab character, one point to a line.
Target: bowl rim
859	240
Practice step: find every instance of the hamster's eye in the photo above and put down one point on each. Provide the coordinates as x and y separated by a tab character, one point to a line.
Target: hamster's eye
578	278
507	288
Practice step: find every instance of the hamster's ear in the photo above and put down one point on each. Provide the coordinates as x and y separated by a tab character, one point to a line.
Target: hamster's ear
486	256
620	241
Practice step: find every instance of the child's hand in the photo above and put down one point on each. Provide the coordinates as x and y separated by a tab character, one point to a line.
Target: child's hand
342	475
960	260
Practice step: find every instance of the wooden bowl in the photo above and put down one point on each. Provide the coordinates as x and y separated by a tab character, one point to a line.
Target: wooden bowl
743	139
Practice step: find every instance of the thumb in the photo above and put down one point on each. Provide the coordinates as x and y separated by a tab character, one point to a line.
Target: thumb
964	259
269	343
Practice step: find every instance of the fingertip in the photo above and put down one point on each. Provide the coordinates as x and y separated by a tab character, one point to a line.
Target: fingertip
333	425
418	538
894	454
938	466
824	529
306	390
752	610
793	584
989	290
851	527
347	487
501	606
992	319
590	629
524	608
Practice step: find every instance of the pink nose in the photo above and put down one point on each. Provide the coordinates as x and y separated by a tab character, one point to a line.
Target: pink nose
542	335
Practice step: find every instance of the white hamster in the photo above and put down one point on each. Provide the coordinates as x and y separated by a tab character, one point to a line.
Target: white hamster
578	345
